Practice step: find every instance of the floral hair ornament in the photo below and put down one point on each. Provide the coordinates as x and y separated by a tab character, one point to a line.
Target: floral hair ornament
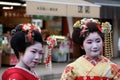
77	24
51	41
106	27
28	28
82	24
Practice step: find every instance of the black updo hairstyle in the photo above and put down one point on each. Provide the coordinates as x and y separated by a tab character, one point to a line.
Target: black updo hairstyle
92	27
18	41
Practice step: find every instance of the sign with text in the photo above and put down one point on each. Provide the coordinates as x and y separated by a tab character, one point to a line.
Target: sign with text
42	8
45	8
83	11
16	13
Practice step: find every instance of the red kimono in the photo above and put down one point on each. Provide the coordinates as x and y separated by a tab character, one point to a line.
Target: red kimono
18	74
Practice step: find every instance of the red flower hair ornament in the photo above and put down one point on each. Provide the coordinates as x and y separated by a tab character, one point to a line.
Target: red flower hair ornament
28	30
51	41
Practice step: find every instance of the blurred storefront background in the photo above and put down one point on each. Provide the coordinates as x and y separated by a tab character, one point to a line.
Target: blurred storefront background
56	17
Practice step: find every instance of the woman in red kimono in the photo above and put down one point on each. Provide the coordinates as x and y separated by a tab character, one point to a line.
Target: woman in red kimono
91	66
27	43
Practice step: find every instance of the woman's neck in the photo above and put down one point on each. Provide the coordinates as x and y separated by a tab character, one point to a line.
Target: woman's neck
96	58
21	64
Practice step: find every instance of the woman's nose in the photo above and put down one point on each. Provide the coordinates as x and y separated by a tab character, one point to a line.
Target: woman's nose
94	45
37	56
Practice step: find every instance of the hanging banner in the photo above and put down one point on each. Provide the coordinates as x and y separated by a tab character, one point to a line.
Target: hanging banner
62	9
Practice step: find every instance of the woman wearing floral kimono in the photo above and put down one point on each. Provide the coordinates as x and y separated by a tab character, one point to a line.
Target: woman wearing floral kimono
91	66
27	43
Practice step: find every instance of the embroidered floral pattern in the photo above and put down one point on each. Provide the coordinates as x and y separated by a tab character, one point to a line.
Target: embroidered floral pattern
115	70
94	62
72	72
68	68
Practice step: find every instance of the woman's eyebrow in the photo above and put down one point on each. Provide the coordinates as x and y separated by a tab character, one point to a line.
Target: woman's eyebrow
89	40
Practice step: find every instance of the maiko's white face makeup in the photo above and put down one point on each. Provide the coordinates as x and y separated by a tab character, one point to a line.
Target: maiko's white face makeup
93	45
32	55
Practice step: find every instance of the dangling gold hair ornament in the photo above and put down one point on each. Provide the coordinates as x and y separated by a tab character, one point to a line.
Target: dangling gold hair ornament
106	29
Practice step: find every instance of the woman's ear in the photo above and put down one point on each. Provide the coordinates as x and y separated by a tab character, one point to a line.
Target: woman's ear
82	47
103	44
20	54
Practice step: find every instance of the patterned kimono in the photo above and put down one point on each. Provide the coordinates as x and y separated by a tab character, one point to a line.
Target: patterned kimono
18	74
85	68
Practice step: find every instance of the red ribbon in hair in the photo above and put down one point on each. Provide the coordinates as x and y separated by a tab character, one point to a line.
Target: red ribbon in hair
83	29
29	36
99	27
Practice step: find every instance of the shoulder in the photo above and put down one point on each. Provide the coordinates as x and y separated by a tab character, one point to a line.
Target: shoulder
113	65
16	76
75	63
78	61
12	73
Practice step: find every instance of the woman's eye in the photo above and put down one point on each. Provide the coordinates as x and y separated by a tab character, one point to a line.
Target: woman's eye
33	51
89	42
98	40
40	52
